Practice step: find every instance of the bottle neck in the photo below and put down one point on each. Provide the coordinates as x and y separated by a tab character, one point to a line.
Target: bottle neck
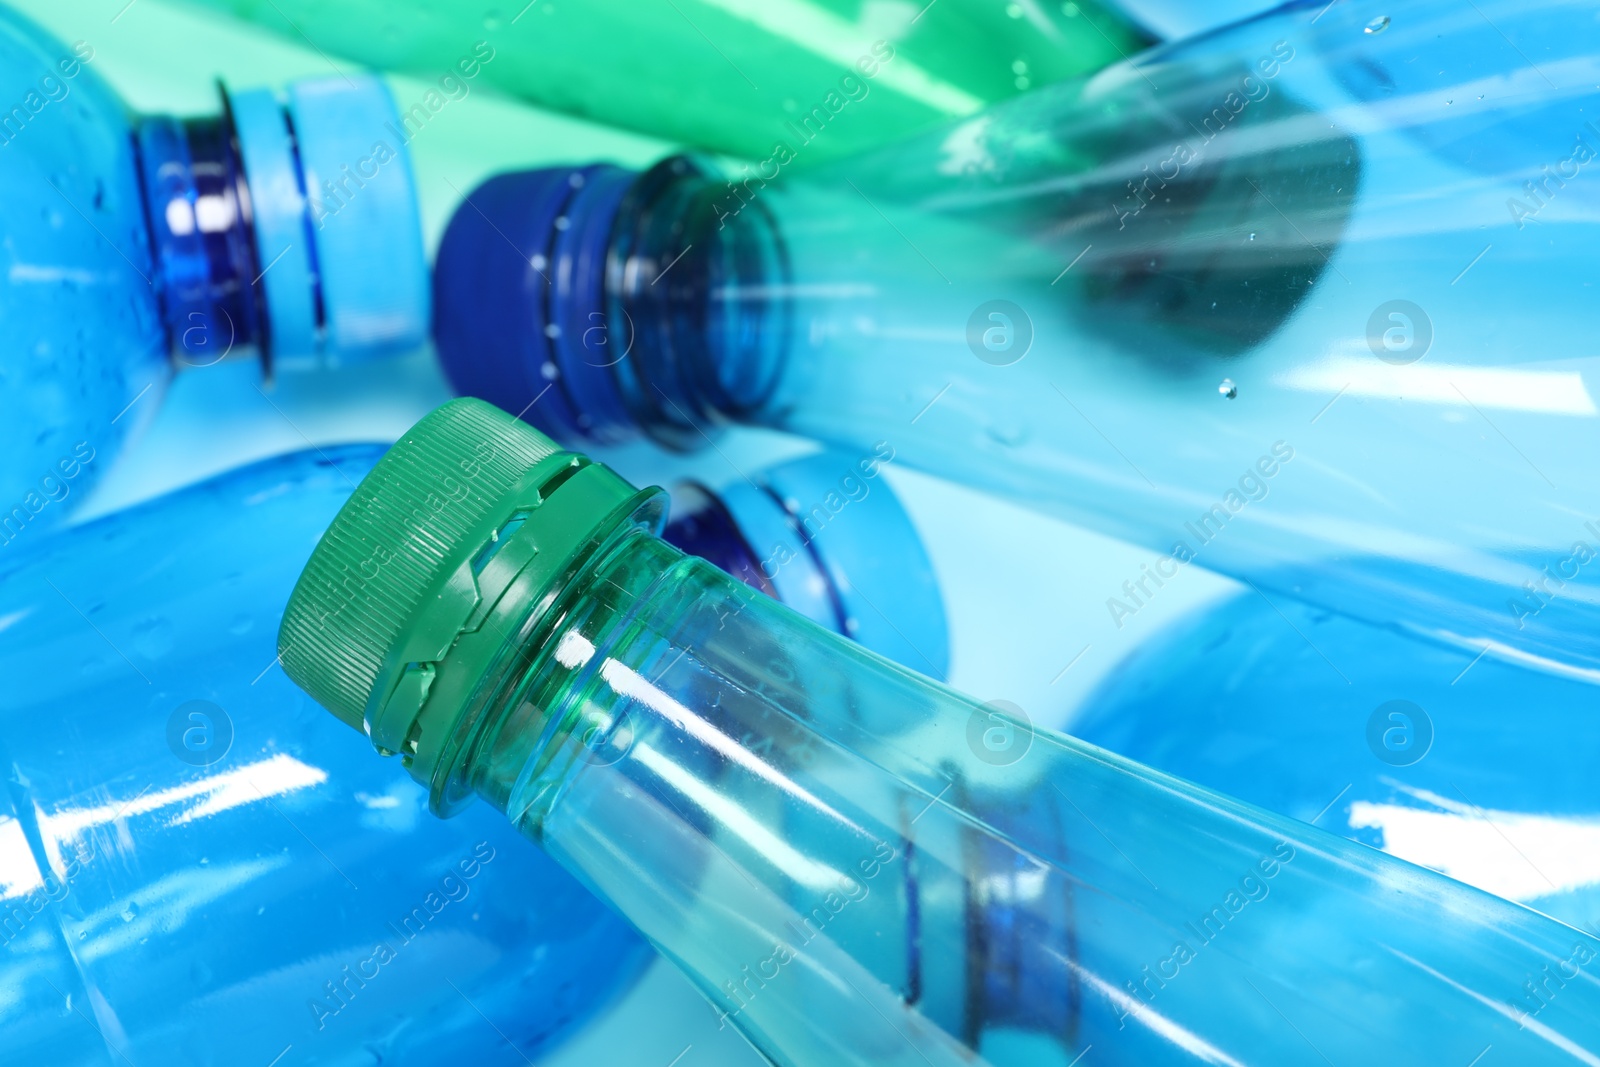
198	210
541	719
667	309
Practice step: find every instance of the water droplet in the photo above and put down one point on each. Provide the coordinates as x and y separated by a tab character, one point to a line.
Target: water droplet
491	20
1252	237
1014	10
130	913
1227	389
1019	66
562	222
1069	9
1377	25
1023	83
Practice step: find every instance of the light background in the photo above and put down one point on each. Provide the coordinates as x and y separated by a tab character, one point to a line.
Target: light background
1025	595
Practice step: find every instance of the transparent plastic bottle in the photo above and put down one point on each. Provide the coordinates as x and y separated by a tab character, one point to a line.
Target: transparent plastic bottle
727	75
283	229
198	867
855	864
1475	768
216	850
1305	300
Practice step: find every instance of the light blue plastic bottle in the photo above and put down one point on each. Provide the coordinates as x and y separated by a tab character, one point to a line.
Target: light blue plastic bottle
857	865
1473	767
280	228
1307	300
198	866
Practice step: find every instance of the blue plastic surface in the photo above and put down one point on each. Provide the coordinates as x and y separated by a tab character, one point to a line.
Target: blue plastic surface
84	338
197	862
364	224
840	548
520	296
1470	766
278	207
825	537
130	246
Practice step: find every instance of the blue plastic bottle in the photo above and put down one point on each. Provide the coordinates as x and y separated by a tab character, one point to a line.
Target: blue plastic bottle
857	865
197	866
284	229
1306	300
191	851
1473	767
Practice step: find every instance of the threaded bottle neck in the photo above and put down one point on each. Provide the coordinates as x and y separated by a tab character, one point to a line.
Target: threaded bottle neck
542	715
198	210
705	290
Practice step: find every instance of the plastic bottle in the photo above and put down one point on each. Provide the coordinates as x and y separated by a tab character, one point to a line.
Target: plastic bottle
857	865
284	229
729	75
1475	768
197	867
1294	300
216	850
827	536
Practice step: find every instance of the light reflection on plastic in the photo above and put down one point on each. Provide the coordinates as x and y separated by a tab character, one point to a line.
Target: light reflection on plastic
274	776
1516	855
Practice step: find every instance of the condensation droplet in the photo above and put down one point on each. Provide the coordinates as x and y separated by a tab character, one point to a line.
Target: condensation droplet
1227	389
1377	25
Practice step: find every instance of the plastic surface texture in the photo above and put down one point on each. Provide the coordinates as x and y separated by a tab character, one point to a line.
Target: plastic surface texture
824	76
364	220
860	866
1470	766
199	866
134	245
84	334
1236	301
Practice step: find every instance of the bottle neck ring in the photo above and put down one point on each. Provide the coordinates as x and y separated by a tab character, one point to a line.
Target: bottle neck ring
198	210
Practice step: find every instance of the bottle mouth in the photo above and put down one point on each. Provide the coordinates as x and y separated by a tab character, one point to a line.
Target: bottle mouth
601	304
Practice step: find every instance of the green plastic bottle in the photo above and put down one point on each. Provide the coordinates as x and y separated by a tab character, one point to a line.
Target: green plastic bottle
855	864
727	75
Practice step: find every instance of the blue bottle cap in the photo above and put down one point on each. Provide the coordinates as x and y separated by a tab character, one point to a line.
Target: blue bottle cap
838	547
518	287
338	231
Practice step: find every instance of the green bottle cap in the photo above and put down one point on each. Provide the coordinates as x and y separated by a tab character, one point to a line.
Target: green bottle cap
468	527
